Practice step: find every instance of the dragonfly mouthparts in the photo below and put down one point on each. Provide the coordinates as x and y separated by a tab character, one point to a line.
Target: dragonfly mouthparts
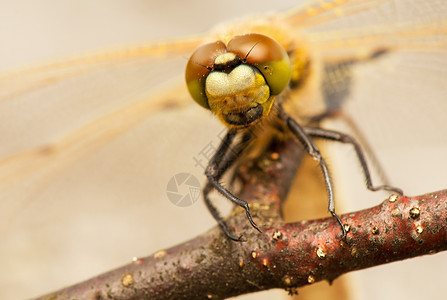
244	118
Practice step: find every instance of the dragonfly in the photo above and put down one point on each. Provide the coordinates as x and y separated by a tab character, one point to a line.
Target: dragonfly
239	82
85	116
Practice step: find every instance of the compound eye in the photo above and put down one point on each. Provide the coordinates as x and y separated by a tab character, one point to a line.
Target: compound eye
199	65
267	56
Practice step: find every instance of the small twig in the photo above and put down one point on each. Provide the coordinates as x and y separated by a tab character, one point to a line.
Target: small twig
284	255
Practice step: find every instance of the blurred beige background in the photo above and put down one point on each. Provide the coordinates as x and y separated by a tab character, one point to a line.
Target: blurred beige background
99	219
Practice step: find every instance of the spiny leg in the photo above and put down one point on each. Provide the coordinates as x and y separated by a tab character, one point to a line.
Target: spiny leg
222	160
346	139
216	162
314	152
212	209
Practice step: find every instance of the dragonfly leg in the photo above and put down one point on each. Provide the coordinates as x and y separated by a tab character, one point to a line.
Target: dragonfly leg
212	209
346	139
314	152
223	159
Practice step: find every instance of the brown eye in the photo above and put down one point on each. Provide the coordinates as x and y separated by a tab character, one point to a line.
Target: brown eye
199	66
267	56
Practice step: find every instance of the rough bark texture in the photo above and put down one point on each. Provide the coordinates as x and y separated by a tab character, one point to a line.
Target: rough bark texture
283	255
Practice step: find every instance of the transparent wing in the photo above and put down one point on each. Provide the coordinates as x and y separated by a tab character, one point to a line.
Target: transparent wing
89	145
57	114
398	101
70	131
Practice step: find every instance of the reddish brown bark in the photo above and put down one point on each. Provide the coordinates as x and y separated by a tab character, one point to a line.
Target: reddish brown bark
283	255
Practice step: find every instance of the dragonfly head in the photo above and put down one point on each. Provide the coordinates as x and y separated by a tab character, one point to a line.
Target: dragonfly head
239	81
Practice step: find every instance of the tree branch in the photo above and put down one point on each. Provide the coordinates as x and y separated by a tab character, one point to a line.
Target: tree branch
287	256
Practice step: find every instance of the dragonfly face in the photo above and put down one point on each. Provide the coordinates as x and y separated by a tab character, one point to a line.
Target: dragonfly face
55	205
238	82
